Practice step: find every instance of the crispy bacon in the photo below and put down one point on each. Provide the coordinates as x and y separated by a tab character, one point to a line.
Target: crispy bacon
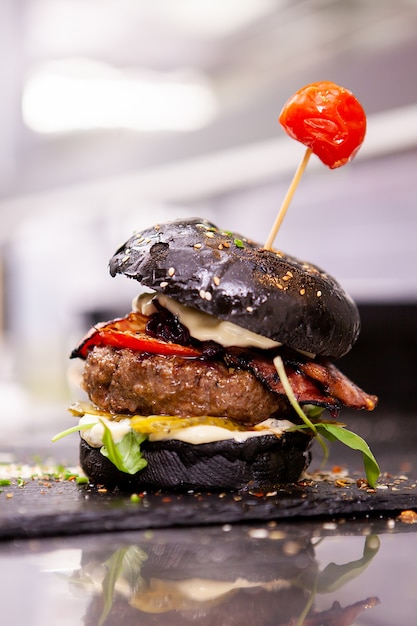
317	383
338	385
305	390
338	616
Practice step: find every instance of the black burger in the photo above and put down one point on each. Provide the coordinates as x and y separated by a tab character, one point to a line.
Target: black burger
219	376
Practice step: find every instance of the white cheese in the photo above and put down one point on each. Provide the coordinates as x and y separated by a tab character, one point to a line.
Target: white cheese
203	590
202	433
207	433
94	435
203	326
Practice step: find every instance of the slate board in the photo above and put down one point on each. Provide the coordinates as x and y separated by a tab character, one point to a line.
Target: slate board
47	507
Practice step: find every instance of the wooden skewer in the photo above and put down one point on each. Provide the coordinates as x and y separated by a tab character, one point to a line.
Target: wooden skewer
287	200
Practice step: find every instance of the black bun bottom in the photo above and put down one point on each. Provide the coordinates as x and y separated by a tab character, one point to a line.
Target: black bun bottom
263	463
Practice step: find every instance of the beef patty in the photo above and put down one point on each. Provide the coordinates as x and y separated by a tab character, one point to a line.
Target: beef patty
123	381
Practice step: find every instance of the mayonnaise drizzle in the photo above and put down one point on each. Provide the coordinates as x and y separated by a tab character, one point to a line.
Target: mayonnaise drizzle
202	433
203	326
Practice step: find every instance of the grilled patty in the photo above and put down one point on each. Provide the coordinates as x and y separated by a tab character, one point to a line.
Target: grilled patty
123	381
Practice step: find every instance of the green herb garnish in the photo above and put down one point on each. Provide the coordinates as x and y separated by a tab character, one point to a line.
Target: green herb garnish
81	480
126	564
73	429
330	430
126	455
238	243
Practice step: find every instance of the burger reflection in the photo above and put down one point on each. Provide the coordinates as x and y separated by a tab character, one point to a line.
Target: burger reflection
252	577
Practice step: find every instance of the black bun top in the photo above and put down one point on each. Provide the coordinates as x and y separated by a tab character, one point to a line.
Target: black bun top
235	279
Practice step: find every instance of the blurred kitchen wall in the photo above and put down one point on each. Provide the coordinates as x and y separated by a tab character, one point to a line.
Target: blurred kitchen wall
116	114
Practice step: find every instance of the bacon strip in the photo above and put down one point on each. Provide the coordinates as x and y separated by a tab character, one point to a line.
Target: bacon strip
305	389
338	616
322	384
339	385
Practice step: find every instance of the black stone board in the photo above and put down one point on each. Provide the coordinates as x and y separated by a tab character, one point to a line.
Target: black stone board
40	508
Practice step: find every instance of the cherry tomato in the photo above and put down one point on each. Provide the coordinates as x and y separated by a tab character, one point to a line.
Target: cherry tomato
129	332
328	119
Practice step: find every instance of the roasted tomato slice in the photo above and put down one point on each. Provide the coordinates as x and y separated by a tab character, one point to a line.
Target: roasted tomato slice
129	332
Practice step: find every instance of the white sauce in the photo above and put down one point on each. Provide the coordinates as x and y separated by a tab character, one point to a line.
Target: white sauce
193	434
203	326
207	433
94	435
202	590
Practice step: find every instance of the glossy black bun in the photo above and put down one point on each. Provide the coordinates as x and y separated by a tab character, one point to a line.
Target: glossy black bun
235	279
258	463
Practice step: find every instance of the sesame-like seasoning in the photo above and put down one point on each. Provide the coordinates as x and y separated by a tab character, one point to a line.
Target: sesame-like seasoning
171	271
216	280
209	234
226	244
249	309
205	295
197	246
163	284
318	294
220	246
302	292
286	277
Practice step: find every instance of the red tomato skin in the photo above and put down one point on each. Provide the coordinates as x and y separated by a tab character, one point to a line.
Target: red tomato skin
328	119
138	343
129	332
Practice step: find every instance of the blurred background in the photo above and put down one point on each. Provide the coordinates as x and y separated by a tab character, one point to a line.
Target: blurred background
116	114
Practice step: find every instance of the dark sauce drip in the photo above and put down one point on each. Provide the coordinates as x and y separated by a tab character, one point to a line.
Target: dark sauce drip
166	326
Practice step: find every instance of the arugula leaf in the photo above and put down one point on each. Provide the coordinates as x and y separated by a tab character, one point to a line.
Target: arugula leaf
115	565
333	577
331	431
73	429
126	563
335	432
126	455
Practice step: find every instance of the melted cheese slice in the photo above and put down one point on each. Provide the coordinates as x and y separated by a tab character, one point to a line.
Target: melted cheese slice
165	595
195	434
203	326
206	433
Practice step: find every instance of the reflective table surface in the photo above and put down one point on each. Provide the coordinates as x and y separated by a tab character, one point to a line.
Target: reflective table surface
322	573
